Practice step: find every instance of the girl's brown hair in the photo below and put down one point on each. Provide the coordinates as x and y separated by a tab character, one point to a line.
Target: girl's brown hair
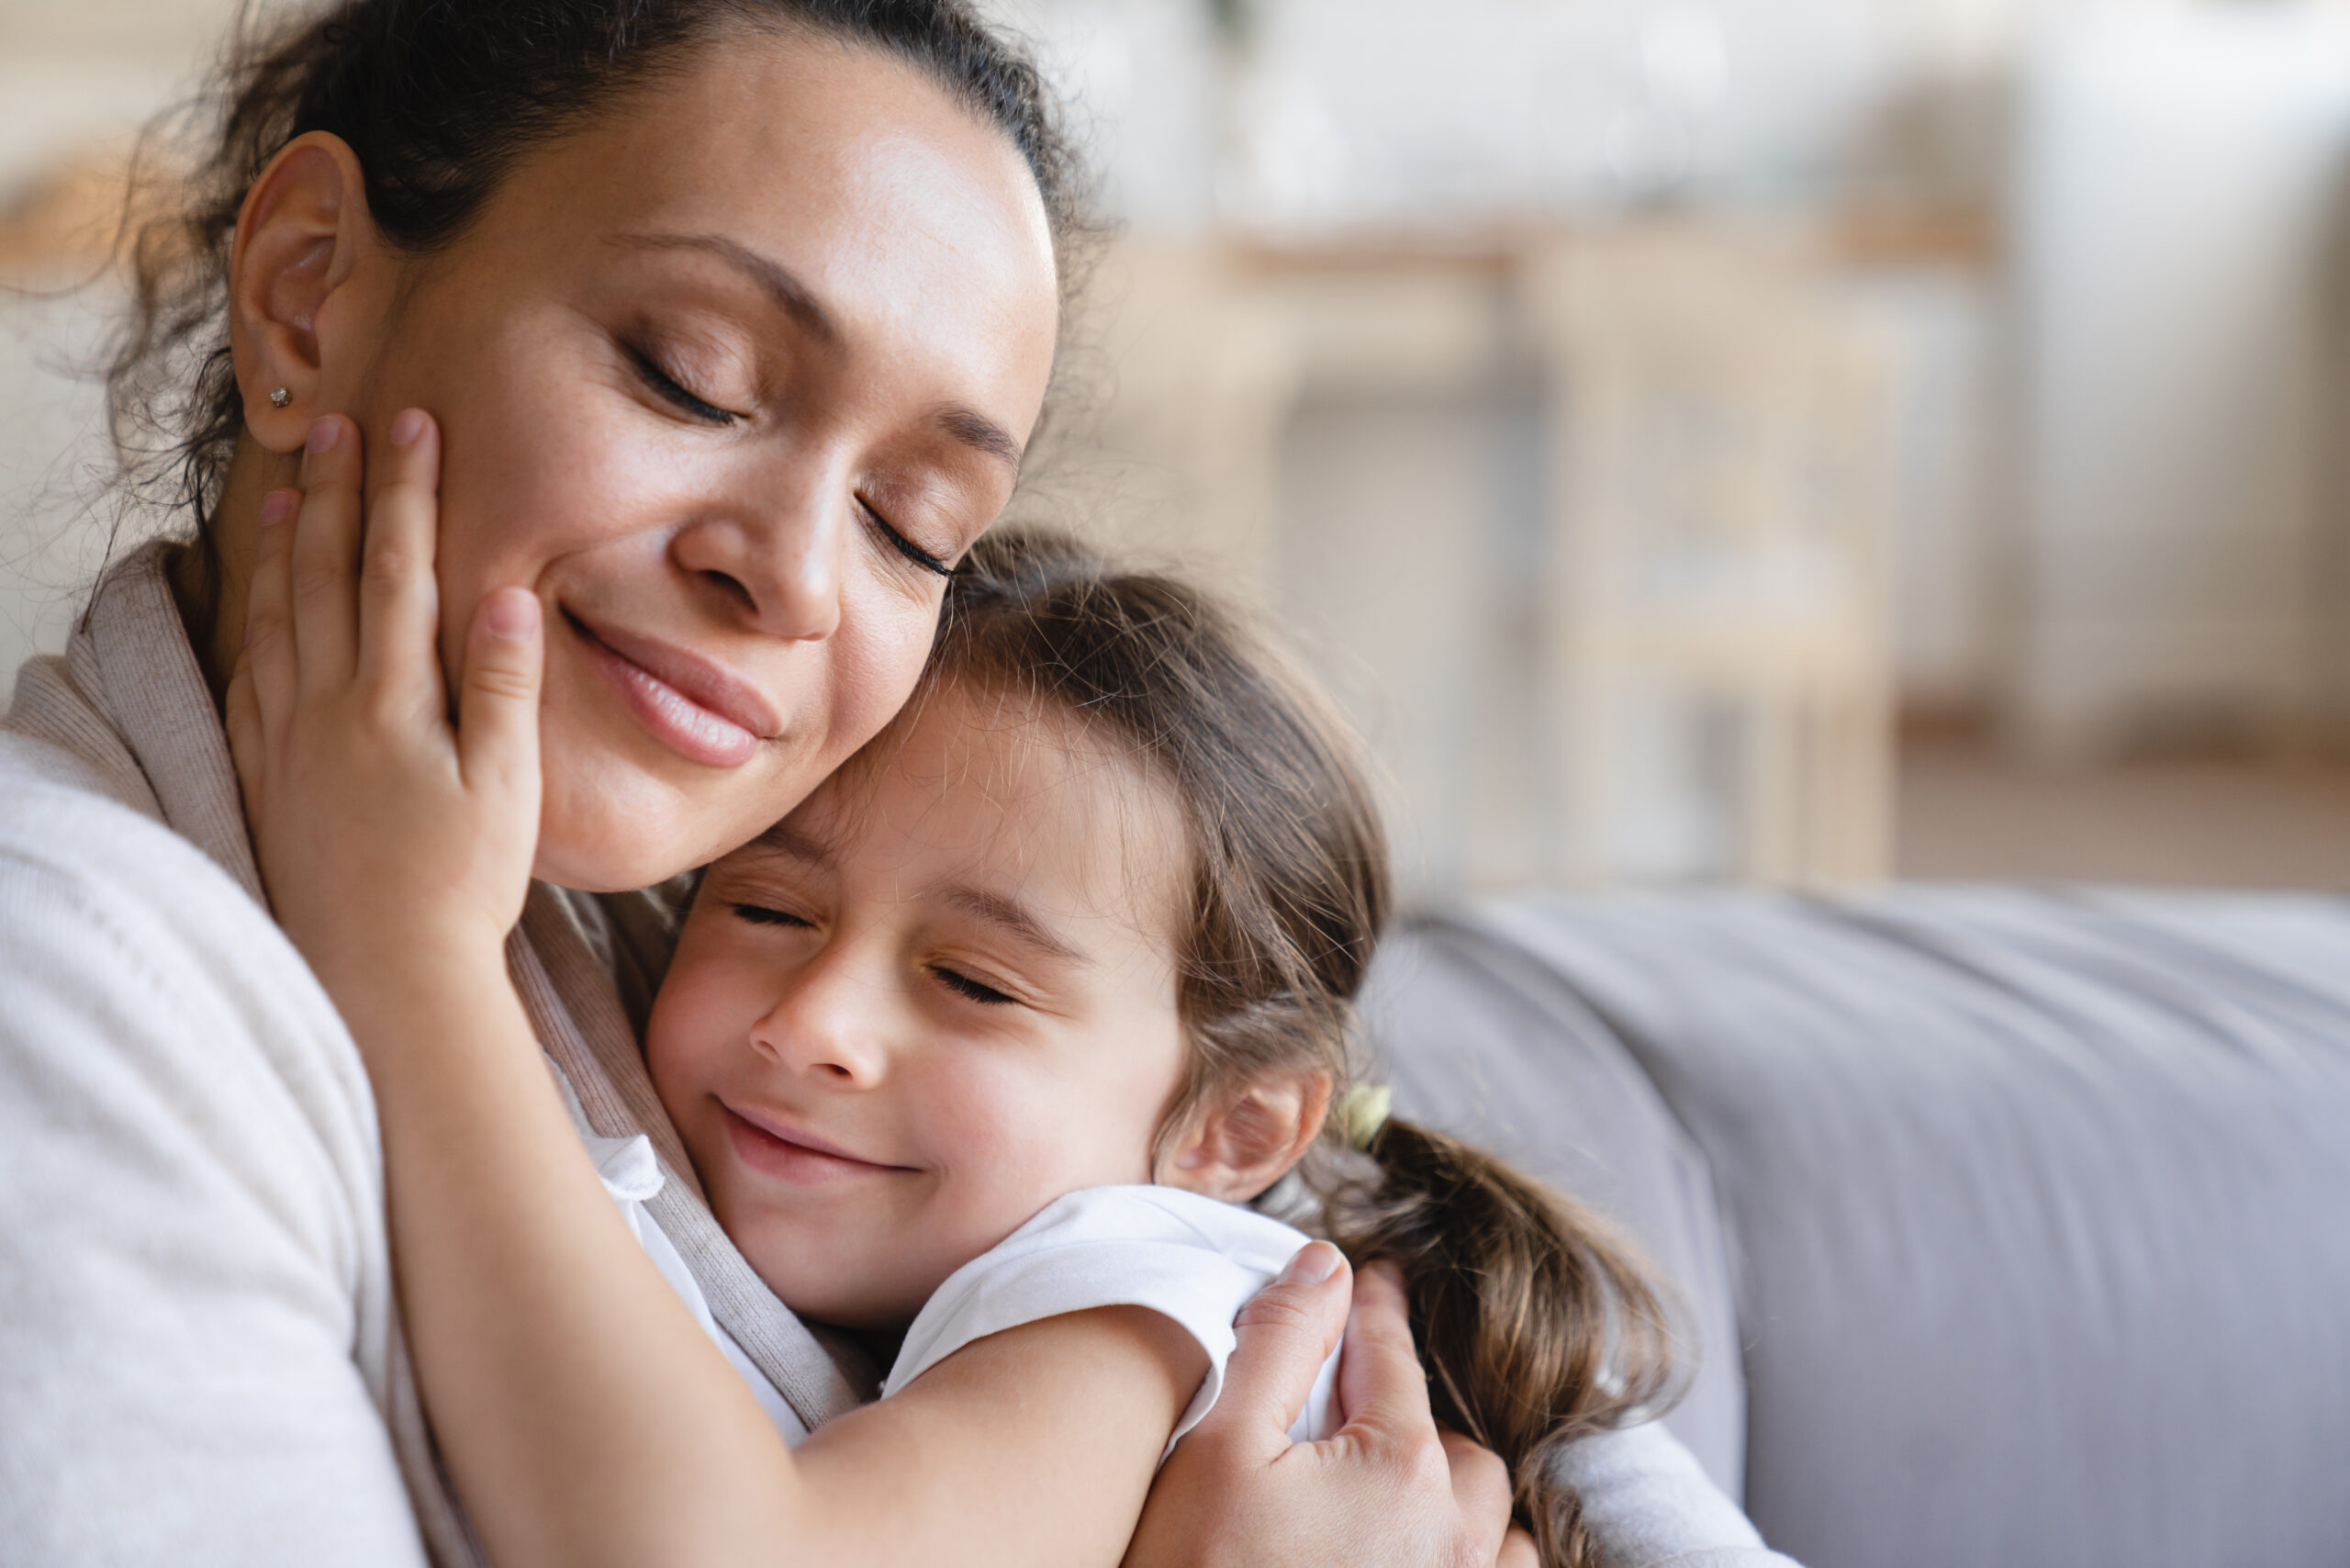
439	100
1537	1325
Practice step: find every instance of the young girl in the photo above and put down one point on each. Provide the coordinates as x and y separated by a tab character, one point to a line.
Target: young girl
1037	1009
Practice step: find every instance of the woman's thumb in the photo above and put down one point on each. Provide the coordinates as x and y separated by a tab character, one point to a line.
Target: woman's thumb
497	706
1285	1333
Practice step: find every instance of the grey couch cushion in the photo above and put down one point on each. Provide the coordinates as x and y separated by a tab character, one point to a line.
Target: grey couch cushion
2040	1205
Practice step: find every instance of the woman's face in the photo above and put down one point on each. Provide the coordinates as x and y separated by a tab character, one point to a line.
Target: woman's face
725	378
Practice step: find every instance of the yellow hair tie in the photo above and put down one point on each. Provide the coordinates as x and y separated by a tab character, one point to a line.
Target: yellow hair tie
1362	1110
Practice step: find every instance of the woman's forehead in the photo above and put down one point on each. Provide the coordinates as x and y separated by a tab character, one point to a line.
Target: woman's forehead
870	183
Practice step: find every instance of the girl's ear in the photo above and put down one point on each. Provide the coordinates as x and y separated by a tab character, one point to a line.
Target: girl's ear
302	233
1236	1146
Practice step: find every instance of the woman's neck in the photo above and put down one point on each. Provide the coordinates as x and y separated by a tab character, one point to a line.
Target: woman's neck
213	608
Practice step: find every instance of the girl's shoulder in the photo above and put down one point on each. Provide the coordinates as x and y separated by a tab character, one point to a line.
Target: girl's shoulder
1191	1259
1158	1216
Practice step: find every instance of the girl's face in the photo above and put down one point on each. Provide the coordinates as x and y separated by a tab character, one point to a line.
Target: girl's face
723	377
937	997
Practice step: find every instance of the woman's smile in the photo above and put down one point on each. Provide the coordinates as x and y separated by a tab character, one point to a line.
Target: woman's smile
693	706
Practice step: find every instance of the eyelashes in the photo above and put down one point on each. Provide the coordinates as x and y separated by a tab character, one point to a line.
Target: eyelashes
905	546
670	390
760	914
964	985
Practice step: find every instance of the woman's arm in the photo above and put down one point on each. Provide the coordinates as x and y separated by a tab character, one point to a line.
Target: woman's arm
585	1415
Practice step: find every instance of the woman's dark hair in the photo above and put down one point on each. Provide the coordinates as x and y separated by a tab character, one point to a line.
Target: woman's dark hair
439	99
1537	1325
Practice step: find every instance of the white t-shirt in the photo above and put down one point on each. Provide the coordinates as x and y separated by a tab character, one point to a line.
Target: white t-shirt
1192	1259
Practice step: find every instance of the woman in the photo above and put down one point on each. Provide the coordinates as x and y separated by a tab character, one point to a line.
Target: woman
735	319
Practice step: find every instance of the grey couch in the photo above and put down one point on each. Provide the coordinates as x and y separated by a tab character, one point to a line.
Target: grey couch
2014	1227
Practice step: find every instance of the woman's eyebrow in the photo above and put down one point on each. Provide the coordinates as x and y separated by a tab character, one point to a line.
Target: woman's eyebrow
980	434
1012	918
791	296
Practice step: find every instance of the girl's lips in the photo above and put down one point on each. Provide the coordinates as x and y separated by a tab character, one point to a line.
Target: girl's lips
691	729
793	1157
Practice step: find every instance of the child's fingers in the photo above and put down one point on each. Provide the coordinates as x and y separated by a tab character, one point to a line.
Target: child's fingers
498	711
270	659
400	614
1283	1334
326	557
247	747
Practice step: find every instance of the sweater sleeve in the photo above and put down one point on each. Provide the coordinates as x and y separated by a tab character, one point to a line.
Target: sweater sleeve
196	1343
1649	1505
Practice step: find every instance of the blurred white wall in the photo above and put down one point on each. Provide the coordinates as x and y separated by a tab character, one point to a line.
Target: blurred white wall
1393	113
2178	224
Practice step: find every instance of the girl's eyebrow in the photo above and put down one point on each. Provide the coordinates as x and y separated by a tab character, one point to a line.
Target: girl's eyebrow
795	844
1012	918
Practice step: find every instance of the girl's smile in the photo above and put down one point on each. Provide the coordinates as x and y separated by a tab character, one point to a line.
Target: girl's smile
766	1144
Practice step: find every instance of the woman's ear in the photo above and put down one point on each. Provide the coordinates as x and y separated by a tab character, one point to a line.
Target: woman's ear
302	234
1236	1146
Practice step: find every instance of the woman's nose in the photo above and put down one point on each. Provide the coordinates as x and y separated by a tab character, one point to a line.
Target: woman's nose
777	566
816	1030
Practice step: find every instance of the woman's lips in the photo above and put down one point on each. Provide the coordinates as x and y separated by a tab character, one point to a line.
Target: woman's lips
697	710
793	1157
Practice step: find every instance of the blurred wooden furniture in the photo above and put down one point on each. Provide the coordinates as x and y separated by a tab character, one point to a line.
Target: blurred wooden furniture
1197	372
1719	484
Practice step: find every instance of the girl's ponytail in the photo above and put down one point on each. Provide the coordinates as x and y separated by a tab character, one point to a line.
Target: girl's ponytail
1536	1323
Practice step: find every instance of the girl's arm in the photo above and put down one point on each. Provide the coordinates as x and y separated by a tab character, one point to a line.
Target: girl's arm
586	1416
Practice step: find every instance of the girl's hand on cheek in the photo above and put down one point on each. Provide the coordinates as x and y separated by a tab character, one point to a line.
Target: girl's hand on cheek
391	843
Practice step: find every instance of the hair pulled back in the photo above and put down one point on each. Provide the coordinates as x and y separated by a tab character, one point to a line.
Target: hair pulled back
1537	1323
439	99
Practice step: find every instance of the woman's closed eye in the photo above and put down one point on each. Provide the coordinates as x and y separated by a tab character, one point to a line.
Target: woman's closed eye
902	544
675	392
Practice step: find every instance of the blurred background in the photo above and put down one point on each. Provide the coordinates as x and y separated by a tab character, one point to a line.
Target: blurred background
1792	441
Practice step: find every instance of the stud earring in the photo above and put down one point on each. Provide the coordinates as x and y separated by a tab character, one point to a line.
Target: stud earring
279	397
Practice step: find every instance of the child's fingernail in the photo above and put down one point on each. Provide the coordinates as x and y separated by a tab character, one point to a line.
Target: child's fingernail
323	433
514	615
275	507
1315	1262
408	426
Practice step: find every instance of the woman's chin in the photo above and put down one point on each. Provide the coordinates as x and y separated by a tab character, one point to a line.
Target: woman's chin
596	841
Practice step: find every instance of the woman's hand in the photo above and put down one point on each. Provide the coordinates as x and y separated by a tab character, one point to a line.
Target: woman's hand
1388	1489
386	837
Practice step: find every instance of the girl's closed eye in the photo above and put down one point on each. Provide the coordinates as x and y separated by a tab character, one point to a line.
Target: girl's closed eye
767	914
973	989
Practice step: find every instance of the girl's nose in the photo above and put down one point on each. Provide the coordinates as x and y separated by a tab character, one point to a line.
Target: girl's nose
815	1030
